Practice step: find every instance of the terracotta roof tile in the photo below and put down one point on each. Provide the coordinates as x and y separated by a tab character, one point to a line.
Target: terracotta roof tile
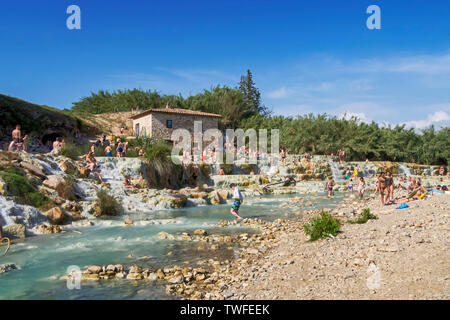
177	111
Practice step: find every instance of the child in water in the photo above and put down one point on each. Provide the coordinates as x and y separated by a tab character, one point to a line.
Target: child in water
330	185
238	199
350	186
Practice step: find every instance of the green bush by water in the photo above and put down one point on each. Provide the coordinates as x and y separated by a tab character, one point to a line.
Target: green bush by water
322	226
365	216
21	189
107	205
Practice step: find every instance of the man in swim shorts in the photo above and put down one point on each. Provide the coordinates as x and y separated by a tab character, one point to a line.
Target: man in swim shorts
108	151
237	197
17	134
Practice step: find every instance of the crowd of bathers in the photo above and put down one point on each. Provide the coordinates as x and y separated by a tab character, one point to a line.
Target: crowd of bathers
386	186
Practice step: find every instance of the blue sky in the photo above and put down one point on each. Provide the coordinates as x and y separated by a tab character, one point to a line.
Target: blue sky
306	56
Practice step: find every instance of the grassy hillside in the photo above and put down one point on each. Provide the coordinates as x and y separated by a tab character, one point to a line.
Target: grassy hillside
36	120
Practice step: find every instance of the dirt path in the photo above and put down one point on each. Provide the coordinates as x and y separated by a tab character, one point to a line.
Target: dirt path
402	255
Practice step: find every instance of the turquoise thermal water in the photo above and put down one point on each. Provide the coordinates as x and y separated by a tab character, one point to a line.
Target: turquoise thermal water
44	259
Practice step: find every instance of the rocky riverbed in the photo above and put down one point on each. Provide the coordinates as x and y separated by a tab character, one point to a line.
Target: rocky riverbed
401	255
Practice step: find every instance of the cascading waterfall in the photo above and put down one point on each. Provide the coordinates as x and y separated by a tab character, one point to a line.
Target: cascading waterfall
336	172
6	208
12	213
405	169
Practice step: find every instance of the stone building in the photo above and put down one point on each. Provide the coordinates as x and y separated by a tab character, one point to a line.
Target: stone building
160	123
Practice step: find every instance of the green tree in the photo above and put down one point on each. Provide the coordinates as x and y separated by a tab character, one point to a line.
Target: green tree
252	95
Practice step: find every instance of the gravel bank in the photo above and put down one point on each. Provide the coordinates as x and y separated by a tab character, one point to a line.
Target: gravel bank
404	254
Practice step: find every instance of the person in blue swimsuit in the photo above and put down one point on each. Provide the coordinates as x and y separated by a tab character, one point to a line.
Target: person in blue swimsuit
350	185
108	151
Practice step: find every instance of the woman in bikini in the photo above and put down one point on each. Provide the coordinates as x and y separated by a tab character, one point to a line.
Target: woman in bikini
387	188
382	186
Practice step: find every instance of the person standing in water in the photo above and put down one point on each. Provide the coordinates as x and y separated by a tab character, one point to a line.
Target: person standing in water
361	188
330	185
350	186
238	199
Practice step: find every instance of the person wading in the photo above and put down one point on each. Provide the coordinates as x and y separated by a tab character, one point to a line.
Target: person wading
238	199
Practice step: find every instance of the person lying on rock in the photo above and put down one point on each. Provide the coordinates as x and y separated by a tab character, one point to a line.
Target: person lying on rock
415	195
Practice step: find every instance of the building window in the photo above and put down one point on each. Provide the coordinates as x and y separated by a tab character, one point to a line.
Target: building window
169	124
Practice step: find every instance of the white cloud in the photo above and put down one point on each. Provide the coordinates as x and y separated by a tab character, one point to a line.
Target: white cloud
439	118
279	93
423	64
360	115
324	86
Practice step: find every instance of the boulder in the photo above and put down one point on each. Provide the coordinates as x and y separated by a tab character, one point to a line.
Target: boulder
200	232
14	231
9	156
55	215
53	181
7	267
32	169
68	167
2	188
83	172
140	184
128	222
199	195
176	200
215	198
134	276
135	269
224	193
94	269
44	229
176	279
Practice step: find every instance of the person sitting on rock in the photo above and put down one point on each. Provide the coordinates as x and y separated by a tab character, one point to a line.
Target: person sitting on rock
221	172
127	183
12	146
95	171
56	146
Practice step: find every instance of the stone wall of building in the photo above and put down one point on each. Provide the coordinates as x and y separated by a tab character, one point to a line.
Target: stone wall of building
179	121
145	125
154	124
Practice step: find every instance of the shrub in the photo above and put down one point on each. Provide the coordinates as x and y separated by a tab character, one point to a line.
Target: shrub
21	189
365	216
107	205
205	169
71	151
66	190
227	168
158	150
322	226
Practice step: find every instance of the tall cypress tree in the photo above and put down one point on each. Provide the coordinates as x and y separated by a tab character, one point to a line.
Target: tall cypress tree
252	95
